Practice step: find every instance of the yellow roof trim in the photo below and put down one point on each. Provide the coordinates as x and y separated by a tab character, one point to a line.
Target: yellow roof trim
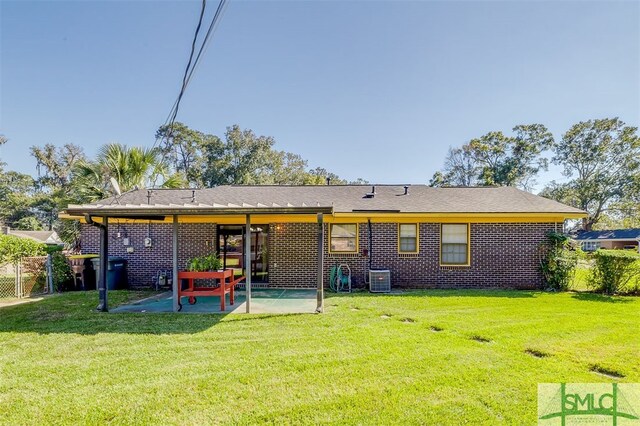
359	217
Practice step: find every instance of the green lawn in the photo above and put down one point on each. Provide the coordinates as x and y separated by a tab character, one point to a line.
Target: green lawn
370	359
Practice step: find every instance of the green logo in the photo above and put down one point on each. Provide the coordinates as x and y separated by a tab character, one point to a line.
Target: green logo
588	403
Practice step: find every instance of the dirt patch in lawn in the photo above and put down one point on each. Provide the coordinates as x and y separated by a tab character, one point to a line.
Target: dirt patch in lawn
537	353
435	328
604	371
480	339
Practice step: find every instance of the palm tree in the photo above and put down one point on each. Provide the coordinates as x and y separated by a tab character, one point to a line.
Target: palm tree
132	168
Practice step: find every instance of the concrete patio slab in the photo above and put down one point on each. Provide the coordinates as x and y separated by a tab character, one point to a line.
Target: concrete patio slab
263	301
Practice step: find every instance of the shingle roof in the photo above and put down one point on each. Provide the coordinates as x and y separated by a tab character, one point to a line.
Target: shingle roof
614	234
46	237
341	198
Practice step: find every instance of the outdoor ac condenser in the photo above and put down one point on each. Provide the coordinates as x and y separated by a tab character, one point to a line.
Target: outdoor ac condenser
380	281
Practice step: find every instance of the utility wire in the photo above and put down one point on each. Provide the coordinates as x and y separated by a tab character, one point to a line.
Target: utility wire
174	109
189	70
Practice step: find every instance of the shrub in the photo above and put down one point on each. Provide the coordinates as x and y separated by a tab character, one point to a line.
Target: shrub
558	261
613	270
13	249
209	262
63	279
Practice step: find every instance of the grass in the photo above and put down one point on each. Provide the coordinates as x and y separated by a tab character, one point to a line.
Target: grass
413	358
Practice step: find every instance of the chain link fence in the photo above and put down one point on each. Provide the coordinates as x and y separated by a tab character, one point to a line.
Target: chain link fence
25	279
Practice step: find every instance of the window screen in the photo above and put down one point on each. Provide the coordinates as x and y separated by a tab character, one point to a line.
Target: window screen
344	237
455	244
408	238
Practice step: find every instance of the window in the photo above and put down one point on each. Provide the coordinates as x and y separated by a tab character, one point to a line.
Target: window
408	238
454	244
590	245
344	237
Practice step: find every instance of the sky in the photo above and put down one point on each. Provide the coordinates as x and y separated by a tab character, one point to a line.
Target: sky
372	89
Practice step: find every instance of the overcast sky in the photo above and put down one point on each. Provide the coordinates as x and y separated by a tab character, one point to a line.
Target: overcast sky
377	90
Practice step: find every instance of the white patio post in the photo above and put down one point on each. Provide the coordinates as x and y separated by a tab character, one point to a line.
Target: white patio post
175	281
247	261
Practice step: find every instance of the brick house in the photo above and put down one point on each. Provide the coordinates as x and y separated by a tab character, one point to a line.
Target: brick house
427	237
622	239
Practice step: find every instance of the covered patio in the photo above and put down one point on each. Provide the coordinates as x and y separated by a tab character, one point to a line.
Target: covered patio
263	301
103	213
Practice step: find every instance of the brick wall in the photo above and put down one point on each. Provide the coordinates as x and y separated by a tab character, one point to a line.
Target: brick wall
194	239
293	254
502	254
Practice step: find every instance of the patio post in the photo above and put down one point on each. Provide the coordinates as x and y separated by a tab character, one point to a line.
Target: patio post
175	281
104	260
320	291
247	261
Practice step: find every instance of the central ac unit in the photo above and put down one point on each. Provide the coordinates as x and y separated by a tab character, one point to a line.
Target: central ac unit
380	281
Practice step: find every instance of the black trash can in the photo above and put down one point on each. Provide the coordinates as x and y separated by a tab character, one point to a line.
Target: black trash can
116	272
89	274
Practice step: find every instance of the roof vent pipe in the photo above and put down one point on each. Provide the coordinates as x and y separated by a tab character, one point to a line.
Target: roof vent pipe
328	181
193	195
373	190
406	189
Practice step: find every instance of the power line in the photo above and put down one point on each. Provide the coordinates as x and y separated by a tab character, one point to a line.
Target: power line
173	112
190	69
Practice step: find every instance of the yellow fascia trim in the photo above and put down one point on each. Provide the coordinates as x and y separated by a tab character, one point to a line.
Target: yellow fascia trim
468	262
359	217
453	217
357	240
417	225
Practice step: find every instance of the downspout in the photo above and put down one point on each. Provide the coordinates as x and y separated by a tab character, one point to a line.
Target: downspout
104	258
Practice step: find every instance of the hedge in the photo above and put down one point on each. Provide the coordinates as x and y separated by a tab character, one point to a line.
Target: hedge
614	270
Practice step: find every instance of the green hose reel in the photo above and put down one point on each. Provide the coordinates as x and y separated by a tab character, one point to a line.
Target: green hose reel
340	278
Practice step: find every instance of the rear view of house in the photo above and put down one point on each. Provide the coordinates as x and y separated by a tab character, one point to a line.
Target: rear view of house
426	237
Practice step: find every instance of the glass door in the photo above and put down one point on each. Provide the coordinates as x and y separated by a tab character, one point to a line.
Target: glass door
231	250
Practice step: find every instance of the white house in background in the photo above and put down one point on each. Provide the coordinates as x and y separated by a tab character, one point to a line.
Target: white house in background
45	237
610	239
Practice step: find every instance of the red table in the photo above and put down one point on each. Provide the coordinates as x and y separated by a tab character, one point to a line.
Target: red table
225	279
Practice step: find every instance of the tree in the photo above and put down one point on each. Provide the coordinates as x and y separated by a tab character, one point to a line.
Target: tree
28	223
17	192
3	140
54	166
602	159
242	158
283	168
183	148
319	176
460	169
131	167
497	159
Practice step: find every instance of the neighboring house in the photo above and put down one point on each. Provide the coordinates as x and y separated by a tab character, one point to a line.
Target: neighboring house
427	237
44	237
611	239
